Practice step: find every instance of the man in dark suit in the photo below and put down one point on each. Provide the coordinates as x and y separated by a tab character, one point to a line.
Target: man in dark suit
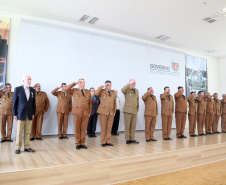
93	117
24	108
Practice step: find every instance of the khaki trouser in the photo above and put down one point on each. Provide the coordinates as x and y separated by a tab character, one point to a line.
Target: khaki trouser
36	127
106	123
180	123
150	122
9	119
62	122
80	126
23	125
215	123
201	121
209	122
130	121
166	126
192	124
223	123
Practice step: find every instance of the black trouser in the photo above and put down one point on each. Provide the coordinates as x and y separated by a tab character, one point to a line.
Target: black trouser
115	125
91	128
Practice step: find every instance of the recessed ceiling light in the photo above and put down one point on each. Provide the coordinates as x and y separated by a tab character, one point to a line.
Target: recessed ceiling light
84	18
210	50
163	37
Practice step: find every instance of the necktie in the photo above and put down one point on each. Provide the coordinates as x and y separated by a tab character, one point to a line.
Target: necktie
133	90
82	92
64	94
109	93
8	95
152	97
168	96
93	100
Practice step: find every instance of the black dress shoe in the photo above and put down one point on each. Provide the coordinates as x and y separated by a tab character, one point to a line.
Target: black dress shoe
179	137
211	133
148	140
29	150
89	136
169	138
60	137
103	145
65	137
117	134
113	134
37	138
193	135
94	135
17	151
10	140
200	134
165	138
83	146
134	141
153	139
109	144
218	132
78	147
32	139
2	141
183	136
128	142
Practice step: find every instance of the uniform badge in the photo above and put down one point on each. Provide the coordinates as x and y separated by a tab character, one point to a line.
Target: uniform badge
43	99
32	95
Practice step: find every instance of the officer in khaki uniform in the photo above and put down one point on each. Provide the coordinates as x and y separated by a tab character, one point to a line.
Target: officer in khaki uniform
6	113
82	108
151	112
106	110
42	105
192	114
201	116
167	110
210	109
217	113
130	110
223	115
64	107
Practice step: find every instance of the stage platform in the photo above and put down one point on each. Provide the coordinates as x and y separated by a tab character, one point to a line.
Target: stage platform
58	162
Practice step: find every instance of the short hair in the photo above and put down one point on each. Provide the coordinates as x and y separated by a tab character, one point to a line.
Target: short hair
200	92
81	79
214	93
8	84
107	81
37	84
180	87
192	92
166	87
63	84
23	77
91	88
223	95
149	88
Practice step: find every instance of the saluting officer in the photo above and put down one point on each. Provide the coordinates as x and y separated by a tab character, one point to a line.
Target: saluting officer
42	105
167	110
217	113
151	112
223	115
106	110
82	107
201	116
64	107
210	109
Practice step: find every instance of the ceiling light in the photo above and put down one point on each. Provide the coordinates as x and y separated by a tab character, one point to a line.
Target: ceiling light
84	18
93	20
163	37
210	50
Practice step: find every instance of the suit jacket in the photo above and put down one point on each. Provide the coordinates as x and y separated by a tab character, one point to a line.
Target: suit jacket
218	108
223	103
95	106
21	106
6	103
151	106
201	105
64	102
131	100
82	105
181	102
192	106
42	102
210	107
107	102
167	104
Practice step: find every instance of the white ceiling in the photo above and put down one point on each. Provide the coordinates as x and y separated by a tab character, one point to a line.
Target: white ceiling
145	19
